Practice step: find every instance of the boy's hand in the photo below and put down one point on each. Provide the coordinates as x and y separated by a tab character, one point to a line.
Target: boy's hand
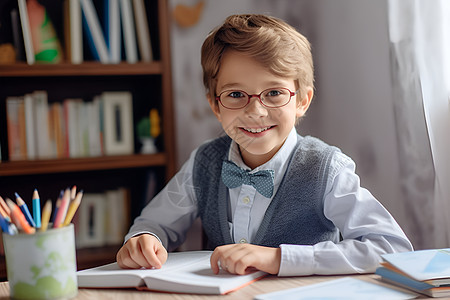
142	251
241	258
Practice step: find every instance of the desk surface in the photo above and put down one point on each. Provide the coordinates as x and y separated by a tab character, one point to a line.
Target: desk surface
266	285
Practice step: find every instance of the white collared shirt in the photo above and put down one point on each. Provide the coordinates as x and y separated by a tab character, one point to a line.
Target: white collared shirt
367	228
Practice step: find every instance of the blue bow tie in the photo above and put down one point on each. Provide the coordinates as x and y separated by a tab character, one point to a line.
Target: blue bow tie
234	176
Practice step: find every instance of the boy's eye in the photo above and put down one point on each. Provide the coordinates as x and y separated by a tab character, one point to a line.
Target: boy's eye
236	94
273	93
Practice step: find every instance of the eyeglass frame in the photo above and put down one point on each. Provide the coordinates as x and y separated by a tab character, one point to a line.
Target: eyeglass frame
250	96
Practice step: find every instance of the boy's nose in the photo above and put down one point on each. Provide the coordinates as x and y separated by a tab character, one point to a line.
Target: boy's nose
255	107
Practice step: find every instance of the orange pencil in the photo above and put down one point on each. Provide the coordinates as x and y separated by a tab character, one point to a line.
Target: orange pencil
18	217
62	210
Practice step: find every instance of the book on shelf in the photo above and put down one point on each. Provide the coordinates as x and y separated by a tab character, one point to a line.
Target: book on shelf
118	122
26	31
31	131
103	218
94	32
16	128
41	122
73	31
142	30
71	128
17	35
112	30
423	271
117	212
129	33
183	272
89	226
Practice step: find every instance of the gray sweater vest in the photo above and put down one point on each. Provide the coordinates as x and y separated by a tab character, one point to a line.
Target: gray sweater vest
295	214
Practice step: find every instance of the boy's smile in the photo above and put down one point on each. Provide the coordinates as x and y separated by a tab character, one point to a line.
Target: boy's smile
259	131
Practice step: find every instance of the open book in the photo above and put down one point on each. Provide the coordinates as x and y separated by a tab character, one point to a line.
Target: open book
183	272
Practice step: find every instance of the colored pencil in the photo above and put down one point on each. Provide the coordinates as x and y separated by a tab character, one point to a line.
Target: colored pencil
62	210
73	192
7	227
73	208
5	206
36	209
46	212
4	214
18	217
57	205
24	208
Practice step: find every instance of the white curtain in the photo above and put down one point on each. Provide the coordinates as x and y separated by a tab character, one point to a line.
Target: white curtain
419	34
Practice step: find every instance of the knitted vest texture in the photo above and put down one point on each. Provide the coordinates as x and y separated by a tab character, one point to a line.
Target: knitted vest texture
295	214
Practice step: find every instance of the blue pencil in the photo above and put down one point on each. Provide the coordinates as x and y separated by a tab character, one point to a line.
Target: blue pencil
24	208
36	209
6	227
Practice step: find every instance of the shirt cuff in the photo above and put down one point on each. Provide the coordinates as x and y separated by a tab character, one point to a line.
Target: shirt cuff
140	233
296	260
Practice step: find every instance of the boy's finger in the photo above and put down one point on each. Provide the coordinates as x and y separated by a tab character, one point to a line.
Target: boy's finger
125	261
214	260
152	261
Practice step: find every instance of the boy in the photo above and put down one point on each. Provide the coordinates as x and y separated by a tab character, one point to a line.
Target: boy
268	198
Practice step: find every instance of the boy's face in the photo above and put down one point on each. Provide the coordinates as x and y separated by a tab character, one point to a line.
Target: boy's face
258	130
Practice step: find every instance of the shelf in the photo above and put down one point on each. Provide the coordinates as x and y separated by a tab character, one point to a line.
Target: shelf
84	69
81	164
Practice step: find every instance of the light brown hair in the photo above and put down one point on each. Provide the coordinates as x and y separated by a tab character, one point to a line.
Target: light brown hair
271	41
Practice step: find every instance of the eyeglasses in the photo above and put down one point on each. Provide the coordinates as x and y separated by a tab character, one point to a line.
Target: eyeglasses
271	98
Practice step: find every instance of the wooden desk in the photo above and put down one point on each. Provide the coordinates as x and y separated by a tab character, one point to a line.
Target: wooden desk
266	285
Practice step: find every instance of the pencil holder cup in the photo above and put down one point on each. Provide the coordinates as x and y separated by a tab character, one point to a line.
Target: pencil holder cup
42	265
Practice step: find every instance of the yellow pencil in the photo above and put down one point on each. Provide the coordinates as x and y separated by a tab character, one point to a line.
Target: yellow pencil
46	213
73	208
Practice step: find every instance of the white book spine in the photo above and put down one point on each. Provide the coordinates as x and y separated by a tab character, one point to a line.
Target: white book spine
29	50
118	123
114	31
44	150
95	148
76	42
128	31
143	33
90	226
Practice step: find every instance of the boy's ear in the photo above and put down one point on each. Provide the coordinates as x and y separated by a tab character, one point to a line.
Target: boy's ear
214	106
303	104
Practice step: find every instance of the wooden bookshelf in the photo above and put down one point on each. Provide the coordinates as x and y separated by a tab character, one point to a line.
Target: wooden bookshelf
81	164
89	68
151	87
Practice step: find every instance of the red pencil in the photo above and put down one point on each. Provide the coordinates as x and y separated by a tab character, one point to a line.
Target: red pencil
62	210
